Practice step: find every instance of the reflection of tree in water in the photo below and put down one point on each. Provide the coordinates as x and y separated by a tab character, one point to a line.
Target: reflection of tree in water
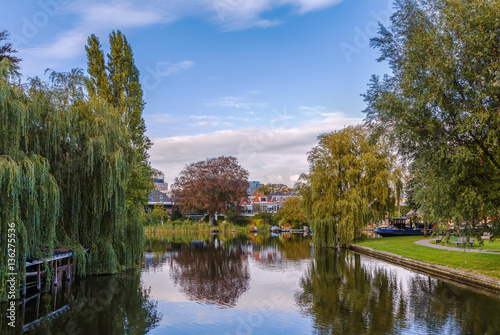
213	274
343	298
116	304
281	253
439	303
347	296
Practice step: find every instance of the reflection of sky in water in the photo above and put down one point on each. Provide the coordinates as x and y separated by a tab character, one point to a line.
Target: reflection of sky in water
264	286
275	288
267	307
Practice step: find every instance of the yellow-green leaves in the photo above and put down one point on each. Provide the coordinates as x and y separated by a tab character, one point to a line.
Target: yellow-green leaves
350	182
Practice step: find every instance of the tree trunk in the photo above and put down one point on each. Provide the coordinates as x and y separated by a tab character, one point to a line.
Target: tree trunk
211	218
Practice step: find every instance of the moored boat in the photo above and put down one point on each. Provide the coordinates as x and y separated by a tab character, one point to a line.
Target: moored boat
398	228
394	231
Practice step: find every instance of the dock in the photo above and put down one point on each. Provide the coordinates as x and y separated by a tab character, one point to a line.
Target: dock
62	264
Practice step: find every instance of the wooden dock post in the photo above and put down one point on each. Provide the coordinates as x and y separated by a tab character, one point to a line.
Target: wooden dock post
55	273
68	276
38	278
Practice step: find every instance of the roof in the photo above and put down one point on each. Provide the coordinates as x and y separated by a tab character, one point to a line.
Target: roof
257	196
280	194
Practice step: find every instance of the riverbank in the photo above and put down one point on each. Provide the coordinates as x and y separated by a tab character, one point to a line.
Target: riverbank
475	269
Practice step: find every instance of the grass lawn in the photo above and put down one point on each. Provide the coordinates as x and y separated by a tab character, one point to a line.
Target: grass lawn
485	264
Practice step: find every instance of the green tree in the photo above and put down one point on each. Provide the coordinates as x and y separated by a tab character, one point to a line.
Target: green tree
63	168
29	194
6	52
292	212
440	105
97	83
86	141
214	185
271	188
118	83
158	214
351	182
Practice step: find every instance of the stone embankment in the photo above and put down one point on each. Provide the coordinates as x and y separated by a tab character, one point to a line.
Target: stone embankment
460	276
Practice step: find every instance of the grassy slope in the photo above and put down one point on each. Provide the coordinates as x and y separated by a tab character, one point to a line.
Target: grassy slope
485	264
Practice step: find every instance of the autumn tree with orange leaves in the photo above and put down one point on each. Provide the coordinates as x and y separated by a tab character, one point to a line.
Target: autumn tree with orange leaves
214	185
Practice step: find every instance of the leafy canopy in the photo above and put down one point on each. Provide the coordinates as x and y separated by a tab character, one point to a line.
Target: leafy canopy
213	185
267	189
291	212
440	104
351	181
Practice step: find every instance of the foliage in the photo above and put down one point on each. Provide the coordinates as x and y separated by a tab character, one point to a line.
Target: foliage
6	52
30	197
351	181
157	215
267	217
440	106
271	188
117	82
213	185
65	175
176	215
292	212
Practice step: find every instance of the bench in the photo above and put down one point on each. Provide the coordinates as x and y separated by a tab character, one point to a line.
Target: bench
486	236
439	239
463	241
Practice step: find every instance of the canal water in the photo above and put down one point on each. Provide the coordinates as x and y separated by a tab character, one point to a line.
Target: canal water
258	284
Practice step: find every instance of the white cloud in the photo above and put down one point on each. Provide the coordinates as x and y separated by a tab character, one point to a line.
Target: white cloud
94	17
118	14
270	154
99	17
204	117
242	14
311	5
165	69
239	102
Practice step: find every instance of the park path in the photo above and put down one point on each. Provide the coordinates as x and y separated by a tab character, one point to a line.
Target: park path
427	243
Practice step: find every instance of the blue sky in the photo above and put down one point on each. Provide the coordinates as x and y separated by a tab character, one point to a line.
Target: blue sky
255	79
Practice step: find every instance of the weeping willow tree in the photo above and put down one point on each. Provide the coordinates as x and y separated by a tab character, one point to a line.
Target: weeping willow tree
351	182
89	163
64	174
29	193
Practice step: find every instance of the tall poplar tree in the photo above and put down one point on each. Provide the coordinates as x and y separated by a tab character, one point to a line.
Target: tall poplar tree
97	83
117	81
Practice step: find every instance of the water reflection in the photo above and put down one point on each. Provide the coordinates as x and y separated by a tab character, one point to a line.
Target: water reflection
260	284
214	273
346	293
115	304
